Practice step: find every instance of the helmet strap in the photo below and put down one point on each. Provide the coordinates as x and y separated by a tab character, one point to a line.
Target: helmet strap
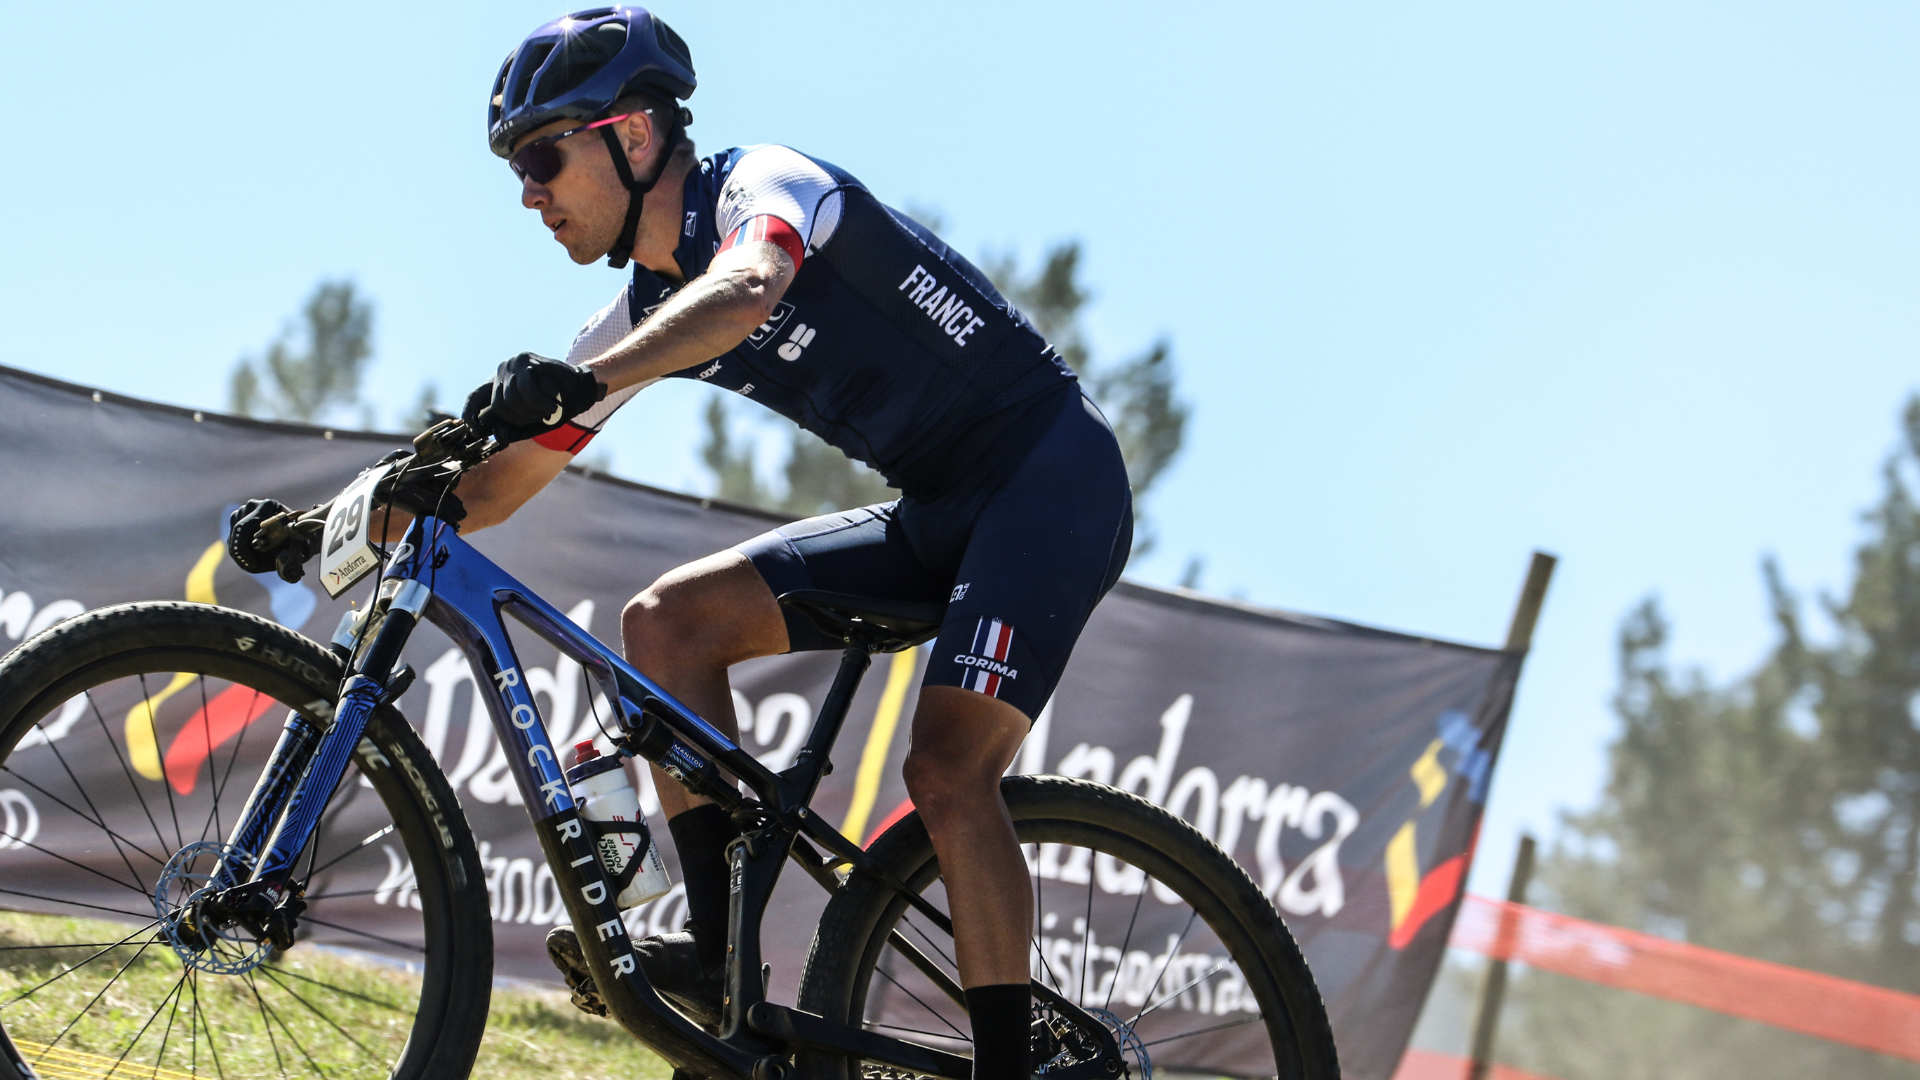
636	189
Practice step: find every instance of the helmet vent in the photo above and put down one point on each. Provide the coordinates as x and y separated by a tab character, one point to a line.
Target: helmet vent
528	65
671	42
578	57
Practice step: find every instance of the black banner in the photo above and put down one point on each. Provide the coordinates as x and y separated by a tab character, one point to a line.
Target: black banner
1344	767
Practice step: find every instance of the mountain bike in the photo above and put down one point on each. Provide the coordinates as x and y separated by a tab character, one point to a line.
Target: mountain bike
310	902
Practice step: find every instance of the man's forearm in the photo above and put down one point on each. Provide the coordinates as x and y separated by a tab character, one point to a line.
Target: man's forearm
711	316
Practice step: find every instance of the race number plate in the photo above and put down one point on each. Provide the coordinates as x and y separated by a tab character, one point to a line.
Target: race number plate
346	554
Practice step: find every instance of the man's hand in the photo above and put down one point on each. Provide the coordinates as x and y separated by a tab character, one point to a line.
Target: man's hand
288	557
531	395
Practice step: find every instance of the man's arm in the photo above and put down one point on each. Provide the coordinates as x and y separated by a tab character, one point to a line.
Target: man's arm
493	490
711	316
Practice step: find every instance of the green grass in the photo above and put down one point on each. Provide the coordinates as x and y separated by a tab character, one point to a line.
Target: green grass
309	1013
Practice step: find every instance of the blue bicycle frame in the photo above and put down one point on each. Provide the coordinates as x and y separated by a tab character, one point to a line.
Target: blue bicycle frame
436	574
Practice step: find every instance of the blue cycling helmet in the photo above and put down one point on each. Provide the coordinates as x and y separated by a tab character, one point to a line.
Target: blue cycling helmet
575	68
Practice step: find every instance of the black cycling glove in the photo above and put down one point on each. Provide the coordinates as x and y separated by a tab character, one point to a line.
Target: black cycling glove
531	395
288	558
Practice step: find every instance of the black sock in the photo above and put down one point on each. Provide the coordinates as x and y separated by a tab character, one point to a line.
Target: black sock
701	836
1000	1016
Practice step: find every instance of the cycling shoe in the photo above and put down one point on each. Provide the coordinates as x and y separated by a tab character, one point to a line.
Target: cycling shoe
563	948
671	963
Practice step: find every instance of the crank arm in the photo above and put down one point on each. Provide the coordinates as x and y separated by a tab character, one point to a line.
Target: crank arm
797	1028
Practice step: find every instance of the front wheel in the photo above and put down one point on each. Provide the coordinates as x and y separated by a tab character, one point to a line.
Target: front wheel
130	739
1138	919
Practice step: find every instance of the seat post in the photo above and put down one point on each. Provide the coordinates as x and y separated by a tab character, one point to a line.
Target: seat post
854	662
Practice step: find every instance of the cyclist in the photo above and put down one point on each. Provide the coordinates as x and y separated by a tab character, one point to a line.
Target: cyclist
781	278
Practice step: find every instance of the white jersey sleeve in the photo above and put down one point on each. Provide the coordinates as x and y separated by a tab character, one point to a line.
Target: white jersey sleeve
783	183
602	332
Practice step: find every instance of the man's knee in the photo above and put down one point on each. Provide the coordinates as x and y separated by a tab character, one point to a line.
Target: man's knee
949	783
707	610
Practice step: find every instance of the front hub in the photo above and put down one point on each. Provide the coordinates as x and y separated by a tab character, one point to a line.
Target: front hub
215	927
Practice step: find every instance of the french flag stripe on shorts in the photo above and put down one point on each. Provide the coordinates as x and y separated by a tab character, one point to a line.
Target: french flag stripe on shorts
993	640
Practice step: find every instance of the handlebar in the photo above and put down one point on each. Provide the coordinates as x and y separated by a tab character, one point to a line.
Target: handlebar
449	445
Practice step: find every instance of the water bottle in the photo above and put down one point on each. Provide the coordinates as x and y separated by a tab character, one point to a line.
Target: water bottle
611	809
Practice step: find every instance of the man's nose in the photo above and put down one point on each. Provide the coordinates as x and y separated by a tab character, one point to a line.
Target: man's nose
533	194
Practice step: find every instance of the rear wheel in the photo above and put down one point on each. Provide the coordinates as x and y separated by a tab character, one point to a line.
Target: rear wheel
130	738
1139	920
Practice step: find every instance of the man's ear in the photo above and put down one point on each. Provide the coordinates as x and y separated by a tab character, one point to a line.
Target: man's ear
642	134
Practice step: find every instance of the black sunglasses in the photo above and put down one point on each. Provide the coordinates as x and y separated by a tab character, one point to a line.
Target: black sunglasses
540	159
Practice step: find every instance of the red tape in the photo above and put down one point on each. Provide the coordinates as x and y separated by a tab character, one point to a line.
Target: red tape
1824	1006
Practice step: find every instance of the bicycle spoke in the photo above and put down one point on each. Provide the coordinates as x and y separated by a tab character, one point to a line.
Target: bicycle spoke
81	866
166	1036
344	991
1173	949
289	991
166	782
1210	973
206	733
96	823
264	1023
233	757
30	991
916	997
928	938
141	1034
81	903
63	945
67	768
1086	954
291	1037
330	863
421	949
213	1047
917	1031
1205	1030
1145	884
96	998
126	771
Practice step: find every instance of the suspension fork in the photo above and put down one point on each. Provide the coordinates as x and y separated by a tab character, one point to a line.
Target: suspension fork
308	761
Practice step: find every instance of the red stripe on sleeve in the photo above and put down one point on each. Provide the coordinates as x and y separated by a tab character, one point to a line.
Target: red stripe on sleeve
774	231
567	438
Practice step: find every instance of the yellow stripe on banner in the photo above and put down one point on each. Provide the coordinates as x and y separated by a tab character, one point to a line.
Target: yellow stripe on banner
873	760
59	1063
1403	873
1429	774
143	746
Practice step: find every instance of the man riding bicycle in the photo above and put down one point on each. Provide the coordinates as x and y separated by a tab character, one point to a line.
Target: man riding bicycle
779	277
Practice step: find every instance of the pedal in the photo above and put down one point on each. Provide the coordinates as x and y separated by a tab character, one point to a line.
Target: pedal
563	948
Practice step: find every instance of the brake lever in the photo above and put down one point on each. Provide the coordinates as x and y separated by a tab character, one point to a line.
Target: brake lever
451	440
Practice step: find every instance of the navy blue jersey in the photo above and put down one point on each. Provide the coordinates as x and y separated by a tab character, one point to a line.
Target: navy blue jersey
888	344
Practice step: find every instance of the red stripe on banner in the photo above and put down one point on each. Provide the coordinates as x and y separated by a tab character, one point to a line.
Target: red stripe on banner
1427	1065
887	822
228	714
992	688
1002	639
568	438
1824	1006
774	231
1437	890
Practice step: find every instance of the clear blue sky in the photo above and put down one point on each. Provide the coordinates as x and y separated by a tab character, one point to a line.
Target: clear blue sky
1633	282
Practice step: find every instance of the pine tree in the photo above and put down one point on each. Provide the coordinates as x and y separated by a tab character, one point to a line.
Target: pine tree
310	372
1777	817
